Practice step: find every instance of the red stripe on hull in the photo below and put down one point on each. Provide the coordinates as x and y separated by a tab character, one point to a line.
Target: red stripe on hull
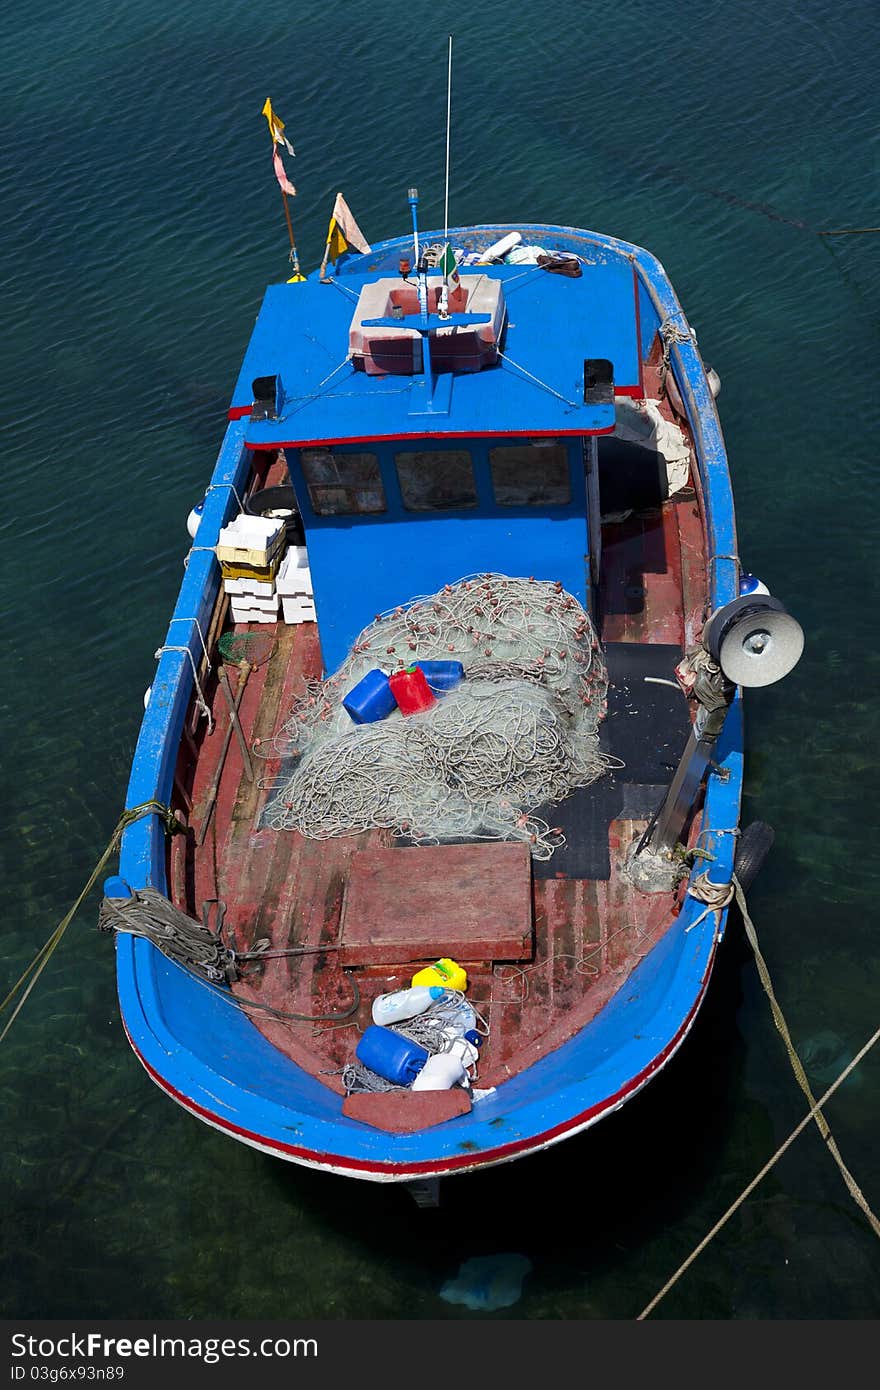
434	434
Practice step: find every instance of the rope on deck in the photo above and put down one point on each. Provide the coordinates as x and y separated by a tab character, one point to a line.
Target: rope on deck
814	1113
200	951
23	986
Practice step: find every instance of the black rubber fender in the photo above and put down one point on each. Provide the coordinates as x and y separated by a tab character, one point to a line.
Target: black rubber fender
752	849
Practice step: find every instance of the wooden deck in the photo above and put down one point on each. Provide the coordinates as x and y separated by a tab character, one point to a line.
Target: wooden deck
589	934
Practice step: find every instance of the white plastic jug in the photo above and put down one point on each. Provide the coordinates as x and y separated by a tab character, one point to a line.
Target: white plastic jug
466	1049
404	1003
440	1073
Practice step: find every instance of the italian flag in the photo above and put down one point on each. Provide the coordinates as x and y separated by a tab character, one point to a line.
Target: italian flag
449	266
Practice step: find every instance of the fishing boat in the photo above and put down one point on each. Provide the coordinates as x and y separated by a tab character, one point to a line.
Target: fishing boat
494	451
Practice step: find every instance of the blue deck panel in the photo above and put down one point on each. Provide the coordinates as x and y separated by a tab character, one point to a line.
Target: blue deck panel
301	335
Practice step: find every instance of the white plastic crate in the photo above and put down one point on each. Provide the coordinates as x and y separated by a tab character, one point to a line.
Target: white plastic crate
251	540
298	608
255	588
247	609
294	576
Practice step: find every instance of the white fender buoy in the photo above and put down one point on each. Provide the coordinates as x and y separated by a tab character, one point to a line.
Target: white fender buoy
751	584
714	381
195	516
147	693
501	248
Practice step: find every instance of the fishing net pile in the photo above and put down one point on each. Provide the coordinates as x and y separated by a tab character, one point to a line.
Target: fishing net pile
519	732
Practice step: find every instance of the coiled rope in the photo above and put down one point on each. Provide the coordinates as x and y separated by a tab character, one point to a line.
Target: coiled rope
716	896
149	914
814	1113
21	990
200	951
670	334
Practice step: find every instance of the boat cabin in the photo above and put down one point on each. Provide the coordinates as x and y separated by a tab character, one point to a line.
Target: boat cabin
423	449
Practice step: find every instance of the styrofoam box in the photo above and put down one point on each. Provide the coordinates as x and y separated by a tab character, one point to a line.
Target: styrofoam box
251	540
257	588
297	609
245	530
248	609
254	616
294	576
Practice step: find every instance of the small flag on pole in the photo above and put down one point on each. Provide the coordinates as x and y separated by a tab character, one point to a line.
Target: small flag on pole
276	128
449	265
342	233
281	176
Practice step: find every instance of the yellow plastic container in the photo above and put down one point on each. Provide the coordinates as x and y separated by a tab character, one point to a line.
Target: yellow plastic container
445	972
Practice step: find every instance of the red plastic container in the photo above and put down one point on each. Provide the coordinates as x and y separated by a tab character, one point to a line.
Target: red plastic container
411	690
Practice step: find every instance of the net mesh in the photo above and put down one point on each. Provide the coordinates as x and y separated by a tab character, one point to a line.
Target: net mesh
519	732
253	647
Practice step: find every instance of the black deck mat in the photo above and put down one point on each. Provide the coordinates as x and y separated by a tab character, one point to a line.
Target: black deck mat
647	723
646	727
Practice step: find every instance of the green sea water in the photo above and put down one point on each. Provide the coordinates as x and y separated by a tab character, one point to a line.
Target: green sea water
141	223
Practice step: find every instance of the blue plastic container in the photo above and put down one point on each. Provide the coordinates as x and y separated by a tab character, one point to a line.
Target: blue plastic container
371	699
391	1054
442	675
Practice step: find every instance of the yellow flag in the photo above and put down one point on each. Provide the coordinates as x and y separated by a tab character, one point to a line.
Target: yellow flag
336	242
276	127
350	231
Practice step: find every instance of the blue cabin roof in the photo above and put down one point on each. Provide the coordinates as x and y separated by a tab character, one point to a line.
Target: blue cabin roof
553	324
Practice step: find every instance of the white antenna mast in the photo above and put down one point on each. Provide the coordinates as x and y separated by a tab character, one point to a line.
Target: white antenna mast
448	121
443	306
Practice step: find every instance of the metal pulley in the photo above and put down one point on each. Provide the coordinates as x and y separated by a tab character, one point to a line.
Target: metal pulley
754	639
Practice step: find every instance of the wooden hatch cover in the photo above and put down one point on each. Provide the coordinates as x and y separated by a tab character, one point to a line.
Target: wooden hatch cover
470	902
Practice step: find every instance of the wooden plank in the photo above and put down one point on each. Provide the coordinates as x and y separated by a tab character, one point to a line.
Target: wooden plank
662	580
693	570
404	1112
447	900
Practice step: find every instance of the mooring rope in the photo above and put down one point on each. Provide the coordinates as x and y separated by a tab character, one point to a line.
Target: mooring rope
149	914
797	1066
811	1114
814	1113
33	972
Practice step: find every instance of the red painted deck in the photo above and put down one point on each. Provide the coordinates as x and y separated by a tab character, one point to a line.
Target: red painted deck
588	935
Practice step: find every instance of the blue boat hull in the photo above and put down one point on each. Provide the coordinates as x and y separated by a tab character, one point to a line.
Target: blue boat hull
211	1059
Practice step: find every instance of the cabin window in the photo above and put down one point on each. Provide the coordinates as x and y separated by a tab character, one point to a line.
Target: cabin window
436	480
530	475
342	484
